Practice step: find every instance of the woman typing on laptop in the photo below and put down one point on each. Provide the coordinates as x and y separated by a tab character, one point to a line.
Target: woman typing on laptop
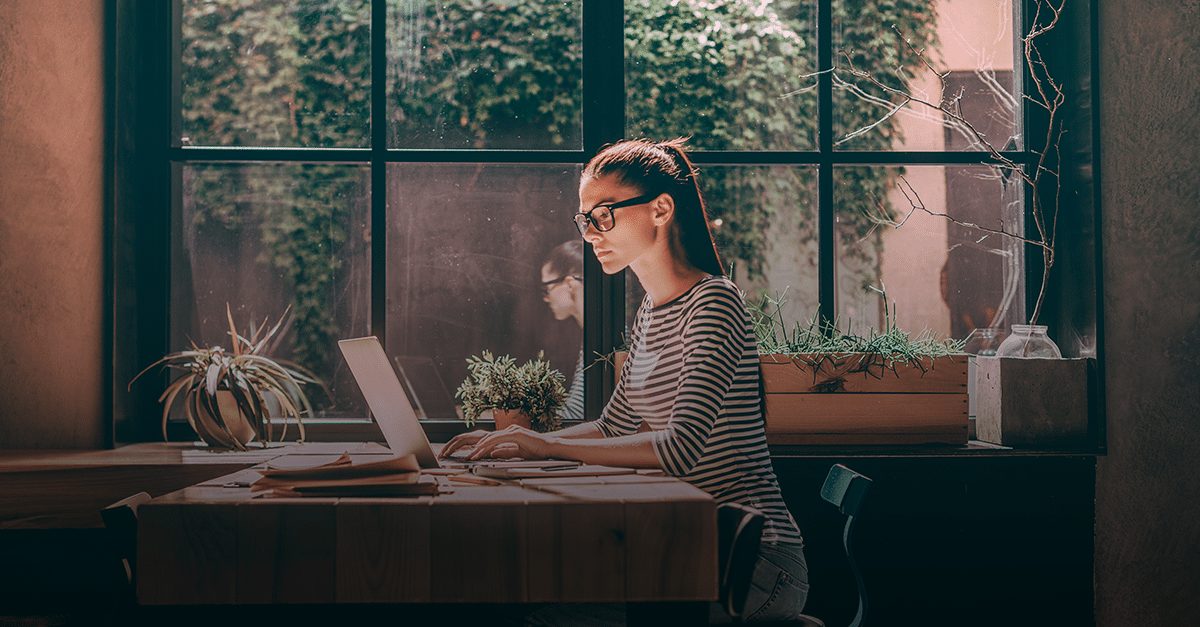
689	398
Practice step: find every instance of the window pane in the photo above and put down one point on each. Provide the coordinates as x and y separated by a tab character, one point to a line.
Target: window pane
485	74
267	73
734	75
268	237
941	274
971	40
763	219
466	250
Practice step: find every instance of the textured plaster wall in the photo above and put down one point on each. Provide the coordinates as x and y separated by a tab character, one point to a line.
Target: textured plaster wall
1148	487
51	223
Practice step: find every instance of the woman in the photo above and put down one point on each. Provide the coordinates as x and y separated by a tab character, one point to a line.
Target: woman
689	398
562	290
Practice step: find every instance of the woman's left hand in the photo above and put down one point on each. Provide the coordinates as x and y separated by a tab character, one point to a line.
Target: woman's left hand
514	441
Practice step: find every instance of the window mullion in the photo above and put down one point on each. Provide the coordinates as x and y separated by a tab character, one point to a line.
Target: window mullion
827	262
379	170
603	122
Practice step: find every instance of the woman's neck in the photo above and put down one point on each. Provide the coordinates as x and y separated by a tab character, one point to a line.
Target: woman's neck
664	277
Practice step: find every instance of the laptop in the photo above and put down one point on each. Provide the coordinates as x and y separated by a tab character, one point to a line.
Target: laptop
395	414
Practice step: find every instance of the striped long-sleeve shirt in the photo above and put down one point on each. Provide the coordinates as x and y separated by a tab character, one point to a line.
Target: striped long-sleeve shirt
692	377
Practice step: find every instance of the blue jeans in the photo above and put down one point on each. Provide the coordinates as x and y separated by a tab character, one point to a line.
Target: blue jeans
779	586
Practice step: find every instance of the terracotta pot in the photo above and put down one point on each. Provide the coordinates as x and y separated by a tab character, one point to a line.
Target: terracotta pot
209	429
506	417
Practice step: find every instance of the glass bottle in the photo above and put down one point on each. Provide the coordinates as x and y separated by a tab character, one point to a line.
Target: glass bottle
984	341
1029	341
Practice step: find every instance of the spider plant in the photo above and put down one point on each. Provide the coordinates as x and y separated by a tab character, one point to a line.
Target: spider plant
247	375
815	342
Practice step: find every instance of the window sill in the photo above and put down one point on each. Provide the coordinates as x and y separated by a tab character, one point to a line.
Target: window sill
973	448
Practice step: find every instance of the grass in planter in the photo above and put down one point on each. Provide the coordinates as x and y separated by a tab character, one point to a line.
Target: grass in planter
815	342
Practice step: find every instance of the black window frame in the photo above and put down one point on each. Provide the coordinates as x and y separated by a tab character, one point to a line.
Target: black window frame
145	156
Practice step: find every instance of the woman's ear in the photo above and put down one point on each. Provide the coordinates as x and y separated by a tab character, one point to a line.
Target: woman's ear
662	209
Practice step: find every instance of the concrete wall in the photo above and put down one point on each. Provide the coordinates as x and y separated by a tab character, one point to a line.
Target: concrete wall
1148	487
51	223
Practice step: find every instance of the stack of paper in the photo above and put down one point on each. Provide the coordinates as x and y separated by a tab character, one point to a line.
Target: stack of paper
394	476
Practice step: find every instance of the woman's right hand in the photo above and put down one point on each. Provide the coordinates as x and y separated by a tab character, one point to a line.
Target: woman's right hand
461	440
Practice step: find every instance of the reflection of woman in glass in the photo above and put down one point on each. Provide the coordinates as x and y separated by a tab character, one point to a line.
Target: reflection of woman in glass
689	398
562	289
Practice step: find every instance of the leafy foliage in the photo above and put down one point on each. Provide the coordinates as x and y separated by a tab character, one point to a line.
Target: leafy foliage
499	383
507	73
247	374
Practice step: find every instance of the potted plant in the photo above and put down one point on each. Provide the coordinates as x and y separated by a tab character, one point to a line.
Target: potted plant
828	386
824	386
230	396
529	395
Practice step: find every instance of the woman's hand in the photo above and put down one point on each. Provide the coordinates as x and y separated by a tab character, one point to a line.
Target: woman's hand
515	441
461	440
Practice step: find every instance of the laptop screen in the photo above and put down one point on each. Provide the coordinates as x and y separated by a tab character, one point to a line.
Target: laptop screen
387	400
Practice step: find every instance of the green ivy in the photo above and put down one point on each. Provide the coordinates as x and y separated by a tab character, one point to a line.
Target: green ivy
507	74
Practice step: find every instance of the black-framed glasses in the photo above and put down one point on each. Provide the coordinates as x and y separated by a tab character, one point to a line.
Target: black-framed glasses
549	285
601	216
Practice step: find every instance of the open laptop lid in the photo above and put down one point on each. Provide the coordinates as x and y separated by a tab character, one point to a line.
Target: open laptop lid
387	400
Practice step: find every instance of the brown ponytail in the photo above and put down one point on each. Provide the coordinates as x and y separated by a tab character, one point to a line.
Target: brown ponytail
665	168
694	235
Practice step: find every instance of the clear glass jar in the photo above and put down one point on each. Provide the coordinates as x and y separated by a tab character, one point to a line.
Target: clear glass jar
984	341
1029	341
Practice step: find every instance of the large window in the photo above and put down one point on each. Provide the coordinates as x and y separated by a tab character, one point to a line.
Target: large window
404	168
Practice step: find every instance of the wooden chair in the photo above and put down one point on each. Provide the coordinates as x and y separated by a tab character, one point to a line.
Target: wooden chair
120	520
847	490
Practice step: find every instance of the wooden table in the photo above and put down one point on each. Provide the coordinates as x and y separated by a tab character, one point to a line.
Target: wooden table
629	538
45	489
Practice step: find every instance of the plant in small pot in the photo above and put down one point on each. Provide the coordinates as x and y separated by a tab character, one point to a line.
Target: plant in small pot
229	397
529	395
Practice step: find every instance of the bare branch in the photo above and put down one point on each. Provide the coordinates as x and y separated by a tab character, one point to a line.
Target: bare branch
1048	95
870	127
916	204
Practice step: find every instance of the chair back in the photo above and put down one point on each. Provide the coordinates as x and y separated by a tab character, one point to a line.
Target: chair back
739	531
847	490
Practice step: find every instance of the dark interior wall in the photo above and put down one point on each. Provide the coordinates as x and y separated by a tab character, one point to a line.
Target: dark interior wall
1148	486
51	223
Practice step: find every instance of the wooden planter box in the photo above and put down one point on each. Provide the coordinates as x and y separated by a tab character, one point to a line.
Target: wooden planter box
856	399
853	399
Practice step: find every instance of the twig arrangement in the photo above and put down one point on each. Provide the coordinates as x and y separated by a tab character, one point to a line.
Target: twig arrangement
1042	178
